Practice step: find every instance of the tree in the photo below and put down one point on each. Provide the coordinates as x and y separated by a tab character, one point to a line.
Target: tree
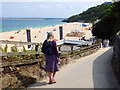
109	25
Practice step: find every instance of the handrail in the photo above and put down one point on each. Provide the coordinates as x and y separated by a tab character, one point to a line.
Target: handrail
60	44
20	62
17	42
19	53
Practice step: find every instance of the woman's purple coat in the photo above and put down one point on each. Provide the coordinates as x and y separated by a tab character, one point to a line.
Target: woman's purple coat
52	60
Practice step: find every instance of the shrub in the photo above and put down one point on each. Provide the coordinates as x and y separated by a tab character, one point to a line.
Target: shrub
1	49
24	50
6	48
14	49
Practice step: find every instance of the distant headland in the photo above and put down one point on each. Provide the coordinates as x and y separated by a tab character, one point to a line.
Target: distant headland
31	18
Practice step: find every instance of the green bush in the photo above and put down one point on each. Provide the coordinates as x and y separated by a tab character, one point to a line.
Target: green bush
109	25
16	57
1	49
24	50
6	48
14	49
91	15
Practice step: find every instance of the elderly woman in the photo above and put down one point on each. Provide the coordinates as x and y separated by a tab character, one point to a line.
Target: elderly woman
49	48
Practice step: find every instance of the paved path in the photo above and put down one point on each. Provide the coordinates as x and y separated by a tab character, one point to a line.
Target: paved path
93	71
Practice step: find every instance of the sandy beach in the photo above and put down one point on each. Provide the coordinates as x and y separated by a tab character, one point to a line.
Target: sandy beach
39	34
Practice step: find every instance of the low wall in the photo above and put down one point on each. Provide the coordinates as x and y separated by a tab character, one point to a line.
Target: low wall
116	56
20	76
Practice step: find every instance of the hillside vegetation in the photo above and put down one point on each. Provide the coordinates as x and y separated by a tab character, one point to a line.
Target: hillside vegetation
109	25
91	15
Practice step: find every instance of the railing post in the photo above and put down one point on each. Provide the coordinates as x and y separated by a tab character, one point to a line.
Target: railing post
36	49
71	49
59	48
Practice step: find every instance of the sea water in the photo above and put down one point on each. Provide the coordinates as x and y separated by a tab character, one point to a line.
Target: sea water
19	24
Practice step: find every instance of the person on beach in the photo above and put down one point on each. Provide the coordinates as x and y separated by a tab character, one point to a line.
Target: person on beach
105	43
52	57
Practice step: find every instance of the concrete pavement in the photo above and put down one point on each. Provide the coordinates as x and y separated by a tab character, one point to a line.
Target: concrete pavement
93	71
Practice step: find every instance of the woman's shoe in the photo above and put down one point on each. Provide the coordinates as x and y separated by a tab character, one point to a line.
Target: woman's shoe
50	83
54	81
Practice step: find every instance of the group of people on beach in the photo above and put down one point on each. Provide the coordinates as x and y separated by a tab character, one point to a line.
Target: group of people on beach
82	38
106	43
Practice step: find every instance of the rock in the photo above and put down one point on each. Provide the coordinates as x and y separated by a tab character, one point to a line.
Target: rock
31	69
24	72
13	80
5	58
61	63
43	74
35	76
81	55
76	57
6	81
1	69
17	85
12	68
18	68
6	84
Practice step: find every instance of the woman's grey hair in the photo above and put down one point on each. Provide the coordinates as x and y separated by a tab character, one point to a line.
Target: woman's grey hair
50	36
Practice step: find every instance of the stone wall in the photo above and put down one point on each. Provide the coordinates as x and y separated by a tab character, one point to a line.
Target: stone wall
116	56
23	75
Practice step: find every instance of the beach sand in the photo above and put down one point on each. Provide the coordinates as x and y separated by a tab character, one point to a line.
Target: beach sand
39	34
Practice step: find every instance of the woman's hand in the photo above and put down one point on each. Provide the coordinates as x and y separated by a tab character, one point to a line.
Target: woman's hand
58	59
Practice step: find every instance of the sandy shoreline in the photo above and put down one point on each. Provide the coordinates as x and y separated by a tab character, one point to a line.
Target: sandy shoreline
39	34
